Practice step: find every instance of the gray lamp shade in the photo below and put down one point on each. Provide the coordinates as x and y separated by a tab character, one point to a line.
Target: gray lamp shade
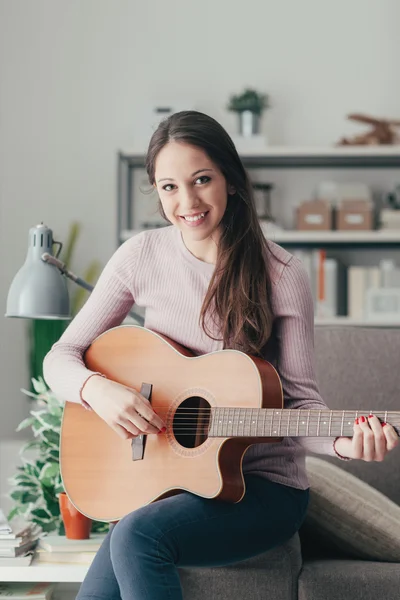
39	290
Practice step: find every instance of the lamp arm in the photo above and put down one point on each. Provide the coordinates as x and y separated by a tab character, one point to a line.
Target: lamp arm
46	257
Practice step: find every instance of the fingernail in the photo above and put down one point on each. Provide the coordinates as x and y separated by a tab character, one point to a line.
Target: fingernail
369	416
383	424
356	421
362	419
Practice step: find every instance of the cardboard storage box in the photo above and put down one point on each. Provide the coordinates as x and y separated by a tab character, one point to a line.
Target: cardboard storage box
354	214
314	215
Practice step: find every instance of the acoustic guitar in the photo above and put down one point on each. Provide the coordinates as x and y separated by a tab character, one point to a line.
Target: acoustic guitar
214	406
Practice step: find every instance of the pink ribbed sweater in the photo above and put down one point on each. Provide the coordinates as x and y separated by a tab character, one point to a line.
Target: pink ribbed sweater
155	270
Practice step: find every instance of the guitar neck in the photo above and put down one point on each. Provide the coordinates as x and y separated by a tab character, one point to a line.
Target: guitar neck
273	422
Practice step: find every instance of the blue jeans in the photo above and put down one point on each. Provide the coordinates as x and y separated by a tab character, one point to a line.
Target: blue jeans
140	556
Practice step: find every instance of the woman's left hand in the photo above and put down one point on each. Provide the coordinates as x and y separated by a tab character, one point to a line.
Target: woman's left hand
371	441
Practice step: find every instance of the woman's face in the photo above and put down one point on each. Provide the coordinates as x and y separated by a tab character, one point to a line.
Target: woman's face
192	190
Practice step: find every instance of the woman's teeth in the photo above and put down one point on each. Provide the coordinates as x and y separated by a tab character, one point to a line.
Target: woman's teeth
196	218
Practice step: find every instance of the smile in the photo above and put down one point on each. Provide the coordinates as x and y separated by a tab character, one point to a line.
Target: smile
195	220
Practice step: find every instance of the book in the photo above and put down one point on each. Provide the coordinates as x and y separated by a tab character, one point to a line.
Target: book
328	280
23	591
15	542
59	543
80	558
19	550
16	532
4	524
17	561
360	280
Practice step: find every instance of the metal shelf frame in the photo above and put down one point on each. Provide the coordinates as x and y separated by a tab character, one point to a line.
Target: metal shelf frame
277	158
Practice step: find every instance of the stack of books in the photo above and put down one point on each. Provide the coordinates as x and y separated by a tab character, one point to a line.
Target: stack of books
26	591
17	543
328	279
59	549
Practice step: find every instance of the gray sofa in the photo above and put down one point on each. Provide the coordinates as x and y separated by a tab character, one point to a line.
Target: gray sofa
357	368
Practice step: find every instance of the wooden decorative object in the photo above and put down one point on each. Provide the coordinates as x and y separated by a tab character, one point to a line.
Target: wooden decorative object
383	132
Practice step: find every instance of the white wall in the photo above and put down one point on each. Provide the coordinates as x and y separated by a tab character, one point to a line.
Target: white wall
78	79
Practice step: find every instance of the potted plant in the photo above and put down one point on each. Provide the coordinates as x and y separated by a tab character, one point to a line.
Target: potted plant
36	486
249	105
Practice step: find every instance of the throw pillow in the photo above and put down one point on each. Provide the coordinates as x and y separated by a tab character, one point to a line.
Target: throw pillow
354	516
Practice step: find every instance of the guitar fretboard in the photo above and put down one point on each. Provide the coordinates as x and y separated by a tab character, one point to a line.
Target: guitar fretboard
272	422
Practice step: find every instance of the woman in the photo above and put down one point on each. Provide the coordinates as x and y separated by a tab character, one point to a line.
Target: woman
209	281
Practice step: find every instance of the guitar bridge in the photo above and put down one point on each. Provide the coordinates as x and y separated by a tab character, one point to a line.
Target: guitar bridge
138	443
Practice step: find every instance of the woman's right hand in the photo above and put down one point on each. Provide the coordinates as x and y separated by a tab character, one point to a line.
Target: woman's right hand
124	409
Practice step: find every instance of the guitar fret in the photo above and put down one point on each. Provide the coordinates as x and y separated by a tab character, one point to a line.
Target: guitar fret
308	423
318	424
280	421
341	428
288	422
298	423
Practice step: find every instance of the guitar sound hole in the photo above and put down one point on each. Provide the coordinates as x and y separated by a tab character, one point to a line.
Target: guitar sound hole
191	422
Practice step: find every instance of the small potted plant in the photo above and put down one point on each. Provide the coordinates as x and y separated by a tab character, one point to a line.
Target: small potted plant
249	105
37	485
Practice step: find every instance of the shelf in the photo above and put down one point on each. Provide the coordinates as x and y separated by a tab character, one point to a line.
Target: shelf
330	239
304	157
349	322
50	572
381	238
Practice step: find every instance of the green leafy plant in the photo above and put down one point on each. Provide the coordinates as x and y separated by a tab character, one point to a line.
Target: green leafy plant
43	333
37	483
249	100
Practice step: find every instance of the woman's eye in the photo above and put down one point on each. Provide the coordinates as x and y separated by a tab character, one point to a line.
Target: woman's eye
168	187
203	179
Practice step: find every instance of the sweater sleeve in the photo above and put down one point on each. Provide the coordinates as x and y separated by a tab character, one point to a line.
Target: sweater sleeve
294	312
107	306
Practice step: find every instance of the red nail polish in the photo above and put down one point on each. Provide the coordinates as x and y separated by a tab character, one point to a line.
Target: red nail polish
369	416
362	419
357	421
383	424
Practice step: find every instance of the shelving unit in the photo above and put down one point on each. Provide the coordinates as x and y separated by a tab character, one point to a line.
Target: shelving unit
343	157
349	322
51	572
277	157
327	239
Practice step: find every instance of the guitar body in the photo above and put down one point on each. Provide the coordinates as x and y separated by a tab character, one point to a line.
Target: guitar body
98	471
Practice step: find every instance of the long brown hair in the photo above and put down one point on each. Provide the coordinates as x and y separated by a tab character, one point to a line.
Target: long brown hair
238	298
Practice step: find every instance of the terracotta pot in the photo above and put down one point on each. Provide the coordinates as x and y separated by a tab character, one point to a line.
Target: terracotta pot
77	526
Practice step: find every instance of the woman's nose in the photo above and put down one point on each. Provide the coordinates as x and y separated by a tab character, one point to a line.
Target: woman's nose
188	199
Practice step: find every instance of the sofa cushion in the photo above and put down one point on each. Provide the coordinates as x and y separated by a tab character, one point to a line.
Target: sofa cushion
272	574
358	368
355	517
343	579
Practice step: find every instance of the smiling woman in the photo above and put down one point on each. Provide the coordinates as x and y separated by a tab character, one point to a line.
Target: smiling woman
213	284
192	200
205	191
